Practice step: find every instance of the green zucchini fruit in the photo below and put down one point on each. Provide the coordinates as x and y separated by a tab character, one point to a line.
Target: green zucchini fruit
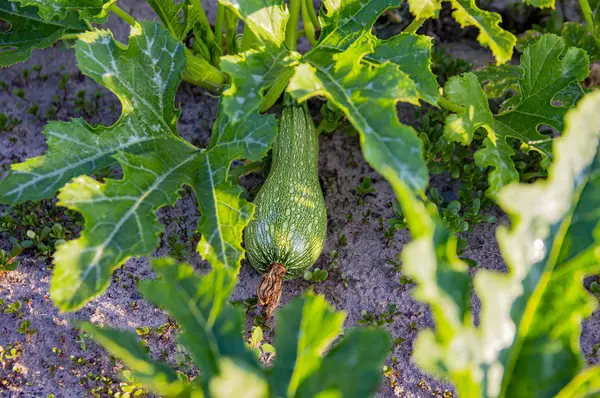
289	227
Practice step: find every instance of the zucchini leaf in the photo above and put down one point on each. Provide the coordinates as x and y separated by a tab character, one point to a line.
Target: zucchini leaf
211	331
348	68
75	148
497	80
548	69
28	31
92	10
265	18
318	325
170	14
156	162
466	13
425	9
500	41
528	330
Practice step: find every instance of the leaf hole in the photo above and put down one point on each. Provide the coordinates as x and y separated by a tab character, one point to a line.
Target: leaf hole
5	26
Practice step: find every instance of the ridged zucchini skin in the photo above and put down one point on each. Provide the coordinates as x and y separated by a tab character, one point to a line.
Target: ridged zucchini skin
290	220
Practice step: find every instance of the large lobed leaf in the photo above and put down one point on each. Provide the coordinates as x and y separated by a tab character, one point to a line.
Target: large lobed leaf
548	69
366	77
120	220
126	226
28	31
362	75
75	148
212	332
527	338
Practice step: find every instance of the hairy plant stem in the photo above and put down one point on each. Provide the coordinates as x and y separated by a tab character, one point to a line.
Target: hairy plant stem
219	26
310	8
70	36
309	27
118	11
449	105
231	31
291	30
414	25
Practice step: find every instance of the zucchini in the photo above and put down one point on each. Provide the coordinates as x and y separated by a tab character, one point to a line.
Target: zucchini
289	227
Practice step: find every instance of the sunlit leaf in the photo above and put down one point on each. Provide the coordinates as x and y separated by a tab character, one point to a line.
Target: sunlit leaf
548	68
266	18
528	330
424	9
75	148
156	163
500	41
305	328
348	68
211	331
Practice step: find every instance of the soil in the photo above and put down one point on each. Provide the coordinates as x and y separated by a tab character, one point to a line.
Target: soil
363	281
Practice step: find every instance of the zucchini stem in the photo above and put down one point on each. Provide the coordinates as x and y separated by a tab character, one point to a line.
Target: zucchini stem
309	27
219	26
118	11
450	106
270	287
415	25
291	30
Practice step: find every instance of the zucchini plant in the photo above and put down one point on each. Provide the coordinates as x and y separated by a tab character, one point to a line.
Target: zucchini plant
211	331
360	75
526	339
